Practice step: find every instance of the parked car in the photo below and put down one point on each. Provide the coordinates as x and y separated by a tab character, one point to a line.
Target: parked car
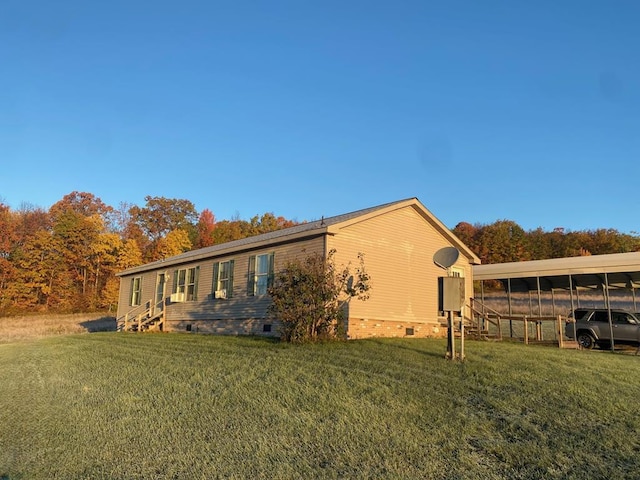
592	327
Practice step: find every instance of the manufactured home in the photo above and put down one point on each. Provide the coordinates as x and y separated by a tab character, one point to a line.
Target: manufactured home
223	288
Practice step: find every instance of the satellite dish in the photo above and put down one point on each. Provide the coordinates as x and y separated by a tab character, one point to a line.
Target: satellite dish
445	257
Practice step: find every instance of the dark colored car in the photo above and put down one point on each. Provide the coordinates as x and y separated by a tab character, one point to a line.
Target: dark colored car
592	327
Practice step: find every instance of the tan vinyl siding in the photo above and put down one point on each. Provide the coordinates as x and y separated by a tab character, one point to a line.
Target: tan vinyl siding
241	310
240	305
147	294
398	248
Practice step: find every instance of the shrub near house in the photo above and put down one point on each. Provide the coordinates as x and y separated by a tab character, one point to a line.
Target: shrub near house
309	296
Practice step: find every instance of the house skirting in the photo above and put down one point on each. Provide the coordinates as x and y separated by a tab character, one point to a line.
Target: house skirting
357	328
367	328
247	326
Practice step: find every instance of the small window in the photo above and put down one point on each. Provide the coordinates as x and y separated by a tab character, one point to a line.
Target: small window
136	291
188	327
266	327
409	331
457	272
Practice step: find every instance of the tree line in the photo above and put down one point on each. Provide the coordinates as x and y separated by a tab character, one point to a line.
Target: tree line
506	241
64	259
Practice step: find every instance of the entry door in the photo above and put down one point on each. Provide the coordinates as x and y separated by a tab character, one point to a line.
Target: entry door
160	284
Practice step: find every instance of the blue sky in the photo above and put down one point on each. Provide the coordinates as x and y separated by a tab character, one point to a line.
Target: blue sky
528	111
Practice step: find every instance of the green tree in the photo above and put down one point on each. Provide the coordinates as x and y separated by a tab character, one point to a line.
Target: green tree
309	296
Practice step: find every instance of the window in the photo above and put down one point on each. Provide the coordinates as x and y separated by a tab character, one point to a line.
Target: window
185	281
260	275
601	317
223	277
623	318
136	291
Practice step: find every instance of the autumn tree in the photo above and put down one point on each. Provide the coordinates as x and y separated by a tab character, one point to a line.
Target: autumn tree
174	243
503	241
42	274
468	234
161	215
205	228
235	229
82	203
8	237
309	296
268	222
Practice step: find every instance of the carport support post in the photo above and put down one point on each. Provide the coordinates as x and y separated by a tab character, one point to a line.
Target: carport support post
538	322
509	300
573	307
482	296
633	294
606	285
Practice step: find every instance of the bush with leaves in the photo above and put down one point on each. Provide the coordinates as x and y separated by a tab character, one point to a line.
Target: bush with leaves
309	297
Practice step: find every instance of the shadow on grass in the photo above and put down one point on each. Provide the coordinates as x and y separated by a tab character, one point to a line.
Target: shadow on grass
103	324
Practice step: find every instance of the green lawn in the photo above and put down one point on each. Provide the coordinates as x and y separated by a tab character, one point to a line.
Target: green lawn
109	405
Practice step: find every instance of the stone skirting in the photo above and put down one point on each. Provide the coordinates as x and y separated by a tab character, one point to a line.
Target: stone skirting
357	328
366	328
250	326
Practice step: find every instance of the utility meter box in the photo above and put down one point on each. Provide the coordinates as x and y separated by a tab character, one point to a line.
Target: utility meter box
450	294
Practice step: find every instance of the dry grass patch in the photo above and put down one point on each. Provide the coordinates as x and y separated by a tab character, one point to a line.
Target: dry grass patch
15	329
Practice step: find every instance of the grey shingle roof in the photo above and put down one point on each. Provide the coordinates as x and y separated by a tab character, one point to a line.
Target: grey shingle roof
312	227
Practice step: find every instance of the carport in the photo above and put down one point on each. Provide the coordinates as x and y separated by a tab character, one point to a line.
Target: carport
575	274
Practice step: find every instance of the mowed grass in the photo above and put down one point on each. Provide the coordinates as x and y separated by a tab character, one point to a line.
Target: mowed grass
156	406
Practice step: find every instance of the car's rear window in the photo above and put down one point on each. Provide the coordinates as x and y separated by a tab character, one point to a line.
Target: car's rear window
579	314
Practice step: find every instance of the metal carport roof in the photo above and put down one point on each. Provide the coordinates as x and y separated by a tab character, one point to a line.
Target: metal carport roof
618	270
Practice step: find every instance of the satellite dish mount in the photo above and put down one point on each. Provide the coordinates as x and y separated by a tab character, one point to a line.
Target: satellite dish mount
451	297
